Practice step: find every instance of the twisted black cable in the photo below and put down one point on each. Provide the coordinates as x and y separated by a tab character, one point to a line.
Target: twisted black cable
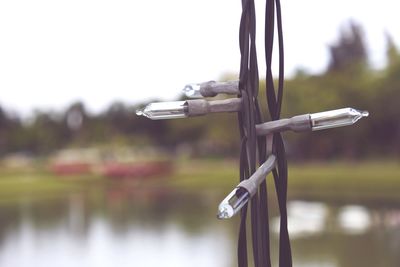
274	105
251	146
248	86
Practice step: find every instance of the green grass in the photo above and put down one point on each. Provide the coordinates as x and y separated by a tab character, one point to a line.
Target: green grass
352	180
339	181
39	184
367	180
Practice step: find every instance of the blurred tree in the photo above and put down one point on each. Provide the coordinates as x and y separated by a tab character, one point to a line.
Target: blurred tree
119	118
350	52
347	82
44	135
385	128
9	126
392	53
3	131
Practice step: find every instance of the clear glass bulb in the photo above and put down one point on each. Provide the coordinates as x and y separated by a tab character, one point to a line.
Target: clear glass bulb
233	203
192	90
336	118
164	110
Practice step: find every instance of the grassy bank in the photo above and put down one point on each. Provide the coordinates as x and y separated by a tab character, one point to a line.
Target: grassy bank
340	181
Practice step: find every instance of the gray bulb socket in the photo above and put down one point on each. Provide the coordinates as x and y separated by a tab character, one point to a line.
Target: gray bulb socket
213	88
200	107
251	185
299	123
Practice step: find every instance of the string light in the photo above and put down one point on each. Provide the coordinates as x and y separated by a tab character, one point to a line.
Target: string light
211	89
336	118
188	108
192	90
313	122
245	190
164	110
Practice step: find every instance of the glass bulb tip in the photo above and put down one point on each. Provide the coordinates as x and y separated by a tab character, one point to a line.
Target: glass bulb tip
225	212
139	112
187	88
364	113
192	90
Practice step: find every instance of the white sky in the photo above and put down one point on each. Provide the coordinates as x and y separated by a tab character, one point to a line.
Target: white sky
53	52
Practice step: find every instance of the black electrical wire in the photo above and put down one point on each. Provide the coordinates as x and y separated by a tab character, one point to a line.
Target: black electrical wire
274	106
253	147
248	86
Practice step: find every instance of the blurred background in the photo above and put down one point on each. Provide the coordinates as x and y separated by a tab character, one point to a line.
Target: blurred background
86	182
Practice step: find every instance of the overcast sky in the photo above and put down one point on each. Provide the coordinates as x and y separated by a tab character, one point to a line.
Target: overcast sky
54	52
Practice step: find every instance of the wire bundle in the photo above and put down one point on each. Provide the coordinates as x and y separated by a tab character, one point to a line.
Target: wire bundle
254	149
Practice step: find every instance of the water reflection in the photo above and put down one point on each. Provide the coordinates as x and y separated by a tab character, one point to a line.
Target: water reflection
121	227
328	234
304	218
105	230
354	219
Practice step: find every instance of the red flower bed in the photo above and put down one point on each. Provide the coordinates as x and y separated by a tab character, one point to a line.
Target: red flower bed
142	169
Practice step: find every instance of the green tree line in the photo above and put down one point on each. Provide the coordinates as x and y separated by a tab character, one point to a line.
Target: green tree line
348	81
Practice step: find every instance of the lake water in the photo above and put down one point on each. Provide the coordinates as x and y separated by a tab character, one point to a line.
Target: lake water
156	228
